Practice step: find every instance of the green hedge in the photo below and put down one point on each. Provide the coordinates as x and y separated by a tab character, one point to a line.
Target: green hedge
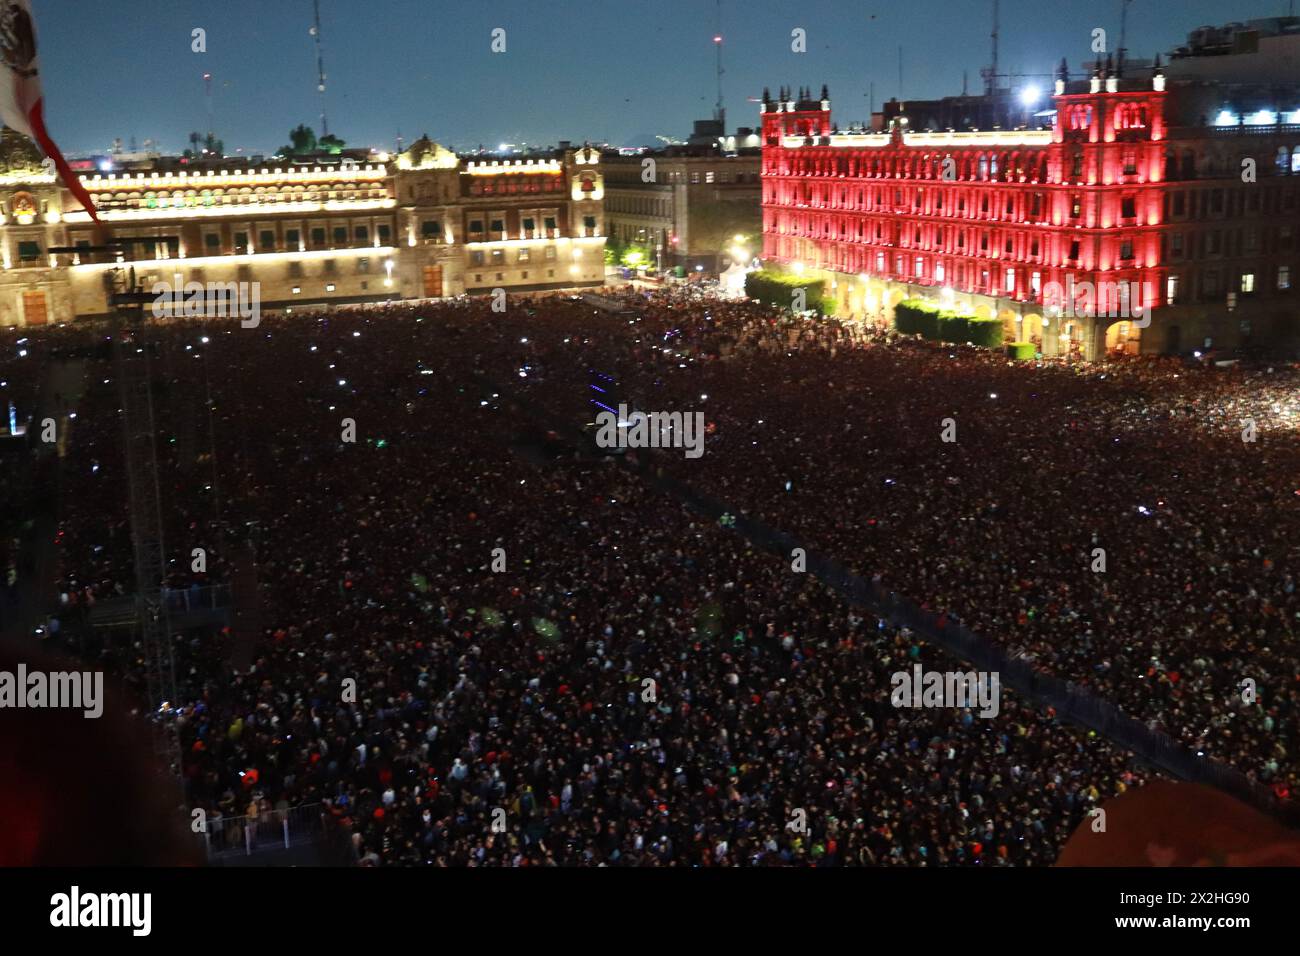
1021	351
916	317
778	288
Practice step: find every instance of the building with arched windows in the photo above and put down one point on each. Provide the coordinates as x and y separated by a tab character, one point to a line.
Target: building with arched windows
334	230
1135	215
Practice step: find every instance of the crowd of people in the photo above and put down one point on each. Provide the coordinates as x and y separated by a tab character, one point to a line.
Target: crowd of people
479	650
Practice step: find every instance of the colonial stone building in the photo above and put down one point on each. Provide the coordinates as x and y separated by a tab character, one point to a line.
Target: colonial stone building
684	203
335	230
1187	193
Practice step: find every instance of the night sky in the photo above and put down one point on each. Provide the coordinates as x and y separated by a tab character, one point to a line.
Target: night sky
605	71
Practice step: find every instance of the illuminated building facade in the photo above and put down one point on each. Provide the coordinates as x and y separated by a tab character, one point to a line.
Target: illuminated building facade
424	224
1124	194
685	206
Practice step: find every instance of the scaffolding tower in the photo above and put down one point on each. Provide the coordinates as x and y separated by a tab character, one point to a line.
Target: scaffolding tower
135	386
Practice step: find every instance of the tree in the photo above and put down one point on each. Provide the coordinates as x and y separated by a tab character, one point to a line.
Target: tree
303	138
635	255
613	251
331	144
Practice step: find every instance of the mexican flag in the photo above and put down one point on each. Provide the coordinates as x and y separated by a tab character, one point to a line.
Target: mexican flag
21	105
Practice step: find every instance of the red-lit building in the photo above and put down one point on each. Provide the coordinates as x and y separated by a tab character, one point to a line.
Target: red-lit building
1013	223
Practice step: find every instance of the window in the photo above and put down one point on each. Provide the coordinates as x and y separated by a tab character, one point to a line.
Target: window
1128	208
329	287
476	226
29	251
318	238
1076	207
329	268
1283	278
363	265
523	255
212	242
362	234
340	235
266	240
1171	290
1176	245
498	225
589	222
550	254
295	269
476	257
384	234
549	223
1247	282
430	229
1011	280
241	243
498	257
1074	250
291	239
708	177
530	225
1125	251
1036	283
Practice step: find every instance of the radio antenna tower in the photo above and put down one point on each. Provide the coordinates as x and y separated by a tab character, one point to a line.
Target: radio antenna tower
1123	32
719	113
991	71
320	70
207	97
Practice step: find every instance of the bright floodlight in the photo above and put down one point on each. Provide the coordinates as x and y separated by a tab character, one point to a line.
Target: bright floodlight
1029	95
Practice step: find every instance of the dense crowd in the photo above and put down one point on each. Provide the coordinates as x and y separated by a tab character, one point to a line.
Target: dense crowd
640	685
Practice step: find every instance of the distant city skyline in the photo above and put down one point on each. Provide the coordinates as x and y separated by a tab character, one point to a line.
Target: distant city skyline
606	73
